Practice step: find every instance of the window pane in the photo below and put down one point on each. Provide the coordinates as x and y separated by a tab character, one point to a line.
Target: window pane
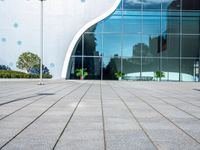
75	63
151	22
171	68
171	22
78	48
132	68
153	5
151	46
132	22
191	4
129	4
113	23
191	22
171	45
131	45
190	70
92	44
93	66
120	6
97	28
149	67
112	45
190	45
171	5
110	67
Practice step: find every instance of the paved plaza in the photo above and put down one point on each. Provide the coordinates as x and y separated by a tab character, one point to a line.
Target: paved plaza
99	115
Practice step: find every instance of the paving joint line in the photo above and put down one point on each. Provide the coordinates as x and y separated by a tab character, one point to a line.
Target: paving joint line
165	117
24	98
135	118
103	117
177	107
180	100
161	99
187	102
40	116
32	102
71	116
28	90
18	92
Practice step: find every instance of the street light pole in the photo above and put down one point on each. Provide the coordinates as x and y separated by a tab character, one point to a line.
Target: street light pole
41	43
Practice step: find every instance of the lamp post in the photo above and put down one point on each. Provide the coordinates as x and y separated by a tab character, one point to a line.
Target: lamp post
41	43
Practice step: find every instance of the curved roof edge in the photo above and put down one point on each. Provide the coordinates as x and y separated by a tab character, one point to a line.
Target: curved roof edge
81	31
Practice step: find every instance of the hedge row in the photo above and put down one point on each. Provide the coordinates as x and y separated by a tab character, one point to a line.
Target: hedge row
17	74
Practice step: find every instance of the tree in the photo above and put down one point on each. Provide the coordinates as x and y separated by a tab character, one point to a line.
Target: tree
27	60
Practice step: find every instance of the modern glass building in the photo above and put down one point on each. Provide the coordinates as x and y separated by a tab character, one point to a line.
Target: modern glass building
140	38
135	37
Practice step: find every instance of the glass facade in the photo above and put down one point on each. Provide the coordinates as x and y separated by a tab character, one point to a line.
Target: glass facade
140	38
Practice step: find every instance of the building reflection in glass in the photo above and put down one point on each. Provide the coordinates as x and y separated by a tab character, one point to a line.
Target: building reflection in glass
140	38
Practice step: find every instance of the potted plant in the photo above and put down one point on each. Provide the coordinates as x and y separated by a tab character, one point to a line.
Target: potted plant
159	75
119	75
82	73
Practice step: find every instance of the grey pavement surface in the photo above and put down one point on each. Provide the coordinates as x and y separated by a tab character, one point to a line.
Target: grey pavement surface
99	115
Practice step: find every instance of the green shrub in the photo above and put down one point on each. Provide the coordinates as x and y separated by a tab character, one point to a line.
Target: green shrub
82	73
17	74
159	75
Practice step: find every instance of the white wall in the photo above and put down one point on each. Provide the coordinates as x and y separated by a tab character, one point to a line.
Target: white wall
62	20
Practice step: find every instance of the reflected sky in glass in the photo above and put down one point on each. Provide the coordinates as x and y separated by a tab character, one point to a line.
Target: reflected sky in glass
126	28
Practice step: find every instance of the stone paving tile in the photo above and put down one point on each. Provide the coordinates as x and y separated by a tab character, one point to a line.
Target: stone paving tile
160	129
26	116
85	130
108	115
43	133
122	131
18	104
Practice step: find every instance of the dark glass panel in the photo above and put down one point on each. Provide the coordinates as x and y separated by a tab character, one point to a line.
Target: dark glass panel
92	44
169	5
151	22
191	22
149	67
152	4
171	22
78	48
151	46
132	22
110	67
171	69
132	68
190	45
170	45
93	66
190	70
190	4
131	45
75	63
112	45
134	5
113	23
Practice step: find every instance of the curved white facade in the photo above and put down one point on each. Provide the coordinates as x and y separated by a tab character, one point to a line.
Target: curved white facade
81	31
64	22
